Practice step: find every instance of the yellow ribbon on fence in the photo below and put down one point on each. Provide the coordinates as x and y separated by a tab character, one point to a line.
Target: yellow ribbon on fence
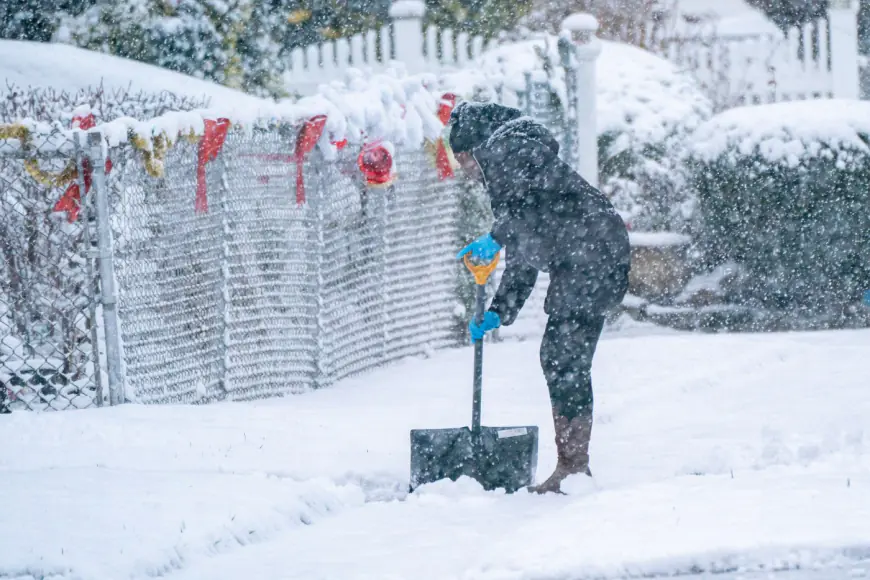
153	156
46	178
66	176
15	131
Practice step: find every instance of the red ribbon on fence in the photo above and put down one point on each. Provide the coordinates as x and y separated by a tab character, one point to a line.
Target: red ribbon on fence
442	159
310	133
71	200
209	147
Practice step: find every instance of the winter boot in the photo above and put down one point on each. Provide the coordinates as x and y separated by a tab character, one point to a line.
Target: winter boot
572	447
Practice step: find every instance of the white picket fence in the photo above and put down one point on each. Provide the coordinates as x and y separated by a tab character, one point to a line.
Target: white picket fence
406	43
817	60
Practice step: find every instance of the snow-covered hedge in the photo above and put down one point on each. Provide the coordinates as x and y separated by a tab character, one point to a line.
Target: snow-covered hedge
646	110
784	189
48	105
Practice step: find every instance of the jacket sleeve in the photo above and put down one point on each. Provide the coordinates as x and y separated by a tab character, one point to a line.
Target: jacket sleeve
517	283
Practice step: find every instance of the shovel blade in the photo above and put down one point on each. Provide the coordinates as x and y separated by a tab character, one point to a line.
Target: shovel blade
500	457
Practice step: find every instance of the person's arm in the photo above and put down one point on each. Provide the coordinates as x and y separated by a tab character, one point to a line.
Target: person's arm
515	286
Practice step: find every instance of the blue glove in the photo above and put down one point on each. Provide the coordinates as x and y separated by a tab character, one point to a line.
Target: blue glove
491	321
867	298
483	248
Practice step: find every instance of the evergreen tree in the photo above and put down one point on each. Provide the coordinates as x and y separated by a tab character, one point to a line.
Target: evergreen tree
484	17
36	20
182	38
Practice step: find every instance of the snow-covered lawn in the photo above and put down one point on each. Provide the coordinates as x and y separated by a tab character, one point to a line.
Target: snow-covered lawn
710	452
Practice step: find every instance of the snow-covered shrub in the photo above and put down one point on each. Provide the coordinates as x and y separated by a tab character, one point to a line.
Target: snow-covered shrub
784	189
48	105
646	111
231	44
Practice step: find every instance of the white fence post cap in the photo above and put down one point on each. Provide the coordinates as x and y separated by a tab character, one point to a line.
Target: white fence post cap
580	22
407	9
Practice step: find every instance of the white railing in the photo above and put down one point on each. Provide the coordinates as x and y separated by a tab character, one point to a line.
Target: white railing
406	43
816	60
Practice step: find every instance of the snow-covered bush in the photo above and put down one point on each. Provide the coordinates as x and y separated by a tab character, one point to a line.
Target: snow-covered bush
231	44
784	189
646	111
48	105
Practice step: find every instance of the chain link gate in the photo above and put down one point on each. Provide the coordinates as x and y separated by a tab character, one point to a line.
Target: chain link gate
49	315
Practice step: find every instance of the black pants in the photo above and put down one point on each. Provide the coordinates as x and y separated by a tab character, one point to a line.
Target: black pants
566	358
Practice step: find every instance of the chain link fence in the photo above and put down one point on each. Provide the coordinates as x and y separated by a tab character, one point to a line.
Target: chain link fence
142	298
49	328
261	296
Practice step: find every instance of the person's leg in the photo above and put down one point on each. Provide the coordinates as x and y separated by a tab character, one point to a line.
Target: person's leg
567	350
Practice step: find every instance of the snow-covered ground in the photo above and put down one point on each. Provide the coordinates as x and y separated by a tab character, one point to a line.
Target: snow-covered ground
710	453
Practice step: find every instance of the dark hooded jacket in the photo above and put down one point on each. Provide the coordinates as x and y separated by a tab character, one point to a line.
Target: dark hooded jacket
547	217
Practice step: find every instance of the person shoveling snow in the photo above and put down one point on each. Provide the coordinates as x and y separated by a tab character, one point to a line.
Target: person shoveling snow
548	219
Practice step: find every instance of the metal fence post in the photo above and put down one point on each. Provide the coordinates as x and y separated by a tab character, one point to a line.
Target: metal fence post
89	266
108	295
382	211
225	302
315	201
528	78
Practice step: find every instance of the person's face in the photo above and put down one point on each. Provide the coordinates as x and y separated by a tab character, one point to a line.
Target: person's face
469	166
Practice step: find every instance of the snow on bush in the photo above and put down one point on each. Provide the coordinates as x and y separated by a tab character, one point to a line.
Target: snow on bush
784	189
391	106
49	105
646	110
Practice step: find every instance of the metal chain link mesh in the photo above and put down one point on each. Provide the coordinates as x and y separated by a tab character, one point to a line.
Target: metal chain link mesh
262	296
258	296
48	306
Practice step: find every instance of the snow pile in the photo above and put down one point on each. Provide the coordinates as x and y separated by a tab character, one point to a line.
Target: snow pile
65	67
646	97
786	133
710	452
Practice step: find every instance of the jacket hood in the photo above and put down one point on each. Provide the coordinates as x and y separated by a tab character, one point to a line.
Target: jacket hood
521	150
471	124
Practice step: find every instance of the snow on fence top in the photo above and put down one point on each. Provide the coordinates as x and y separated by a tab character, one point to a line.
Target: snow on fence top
398	108
784	133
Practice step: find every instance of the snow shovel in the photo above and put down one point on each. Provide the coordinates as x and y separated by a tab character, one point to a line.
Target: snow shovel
497	457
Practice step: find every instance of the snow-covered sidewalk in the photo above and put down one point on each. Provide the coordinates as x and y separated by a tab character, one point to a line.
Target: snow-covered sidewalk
710	452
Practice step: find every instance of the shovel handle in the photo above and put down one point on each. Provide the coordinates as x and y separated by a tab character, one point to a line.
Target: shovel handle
481	272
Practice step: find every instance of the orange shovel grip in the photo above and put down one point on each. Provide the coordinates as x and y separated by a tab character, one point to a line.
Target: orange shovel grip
481	273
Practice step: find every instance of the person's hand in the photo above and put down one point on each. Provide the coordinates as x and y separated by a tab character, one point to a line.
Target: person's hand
483	248
491	321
